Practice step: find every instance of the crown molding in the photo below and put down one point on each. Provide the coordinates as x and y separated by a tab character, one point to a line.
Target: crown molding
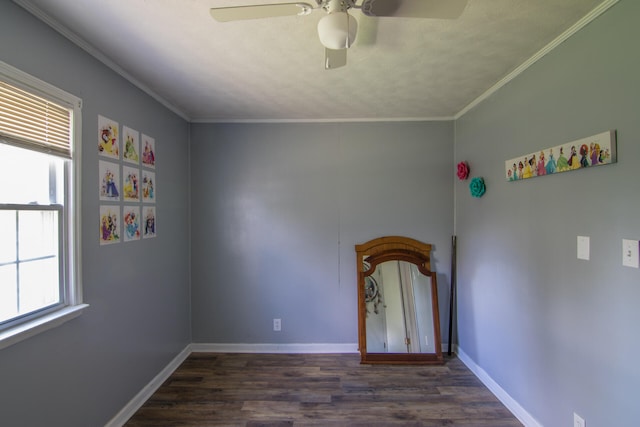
91	50
599	10
329	120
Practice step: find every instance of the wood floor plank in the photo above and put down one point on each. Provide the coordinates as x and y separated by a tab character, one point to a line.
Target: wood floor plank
311	390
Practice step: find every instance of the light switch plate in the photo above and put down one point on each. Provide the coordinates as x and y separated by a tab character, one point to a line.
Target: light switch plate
578	421
630	253
583	247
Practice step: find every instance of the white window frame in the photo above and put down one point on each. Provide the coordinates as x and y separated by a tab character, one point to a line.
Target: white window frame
72	305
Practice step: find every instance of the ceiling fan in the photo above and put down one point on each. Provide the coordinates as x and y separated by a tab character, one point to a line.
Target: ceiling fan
337	30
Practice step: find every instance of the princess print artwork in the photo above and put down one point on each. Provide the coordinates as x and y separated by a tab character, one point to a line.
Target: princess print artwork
108	142
149	222
595	150
148	151
131	150
109	225
131	187
109	181
131	215
148	186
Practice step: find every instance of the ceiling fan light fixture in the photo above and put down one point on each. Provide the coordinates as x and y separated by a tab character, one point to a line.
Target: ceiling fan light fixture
337	30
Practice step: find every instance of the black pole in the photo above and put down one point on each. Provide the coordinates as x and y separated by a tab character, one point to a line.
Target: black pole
452	293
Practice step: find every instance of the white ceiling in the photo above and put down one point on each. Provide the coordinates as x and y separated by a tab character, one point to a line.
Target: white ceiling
273	69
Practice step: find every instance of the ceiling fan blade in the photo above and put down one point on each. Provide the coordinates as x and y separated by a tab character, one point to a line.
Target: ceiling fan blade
334	58
367	30
239	13
437	9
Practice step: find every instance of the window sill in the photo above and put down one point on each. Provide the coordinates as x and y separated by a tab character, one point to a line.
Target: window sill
41	324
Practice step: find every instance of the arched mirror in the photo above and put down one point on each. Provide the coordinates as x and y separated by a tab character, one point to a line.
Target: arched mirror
398	320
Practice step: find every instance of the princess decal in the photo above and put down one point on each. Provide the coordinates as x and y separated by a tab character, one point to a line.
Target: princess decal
132	228
147	188
130	152
150	223
541	167
527	173
520	174
108	142
131	187
109	187
109	228
595	153
584	152
551	164
148	156
573	159
563	163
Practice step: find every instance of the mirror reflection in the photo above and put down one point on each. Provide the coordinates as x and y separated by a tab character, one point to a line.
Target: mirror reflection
398	320
398	306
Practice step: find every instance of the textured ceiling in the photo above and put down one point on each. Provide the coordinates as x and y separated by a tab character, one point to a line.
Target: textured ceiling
272	69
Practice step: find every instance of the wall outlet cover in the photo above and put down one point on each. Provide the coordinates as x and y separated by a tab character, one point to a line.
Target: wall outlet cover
630	253
583	247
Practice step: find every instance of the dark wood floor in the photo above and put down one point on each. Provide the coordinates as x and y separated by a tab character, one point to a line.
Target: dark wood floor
274	390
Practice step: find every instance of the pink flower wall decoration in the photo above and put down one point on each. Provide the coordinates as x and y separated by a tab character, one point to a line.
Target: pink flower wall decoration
463	171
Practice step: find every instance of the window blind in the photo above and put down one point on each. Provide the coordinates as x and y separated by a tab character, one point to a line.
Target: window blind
34	122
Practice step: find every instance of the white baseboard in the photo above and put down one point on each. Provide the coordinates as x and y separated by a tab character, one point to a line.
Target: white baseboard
139	399
512	405
274	348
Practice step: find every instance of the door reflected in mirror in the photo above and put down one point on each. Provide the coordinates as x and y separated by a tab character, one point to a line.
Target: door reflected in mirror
398	303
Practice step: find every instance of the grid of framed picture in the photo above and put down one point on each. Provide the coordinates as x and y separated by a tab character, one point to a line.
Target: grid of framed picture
126	183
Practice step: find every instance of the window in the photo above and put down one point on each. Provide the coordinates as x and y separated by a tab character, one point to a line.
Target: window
39	206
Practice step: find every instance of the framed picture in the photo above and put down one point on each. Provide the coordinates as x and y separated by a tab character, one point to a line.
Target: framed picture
131	218
584	153
148	151
131	151
109	180
108	139
109	224
130	183
148	186
149	225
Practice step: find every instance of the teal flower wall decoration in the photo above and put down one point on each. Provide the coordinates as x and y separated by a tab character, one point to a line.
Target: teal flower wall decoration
477	187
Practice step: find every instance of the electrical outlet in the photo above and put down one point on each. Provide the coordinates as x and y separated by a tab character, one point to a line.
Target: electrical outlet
630	256
578	421
277	325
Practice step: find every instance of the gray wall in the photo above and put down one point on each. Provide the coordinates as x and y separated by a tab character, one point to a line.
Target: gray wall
278	208
557	333
83	372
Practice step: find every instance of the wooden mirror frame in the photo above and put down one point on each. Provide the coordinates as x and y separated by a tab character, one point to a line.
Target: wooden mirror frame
396	248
